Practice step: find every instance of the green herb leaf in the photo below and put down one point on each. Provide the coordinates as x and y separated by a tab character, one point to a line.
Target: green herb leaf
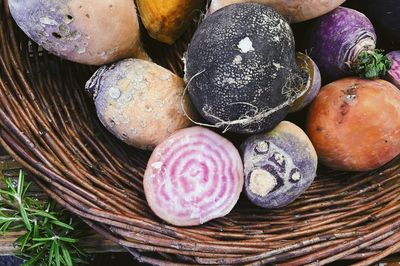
20	185
69	240
36	245
57	255
35	229
52	252
43	214
50	238
43	239
372	64
63	225
66	255
25	240
11	194
25	218
34	259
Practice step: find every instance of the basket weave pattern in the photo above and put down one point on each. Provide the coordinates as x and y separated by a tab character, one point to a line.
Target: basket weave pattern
49	125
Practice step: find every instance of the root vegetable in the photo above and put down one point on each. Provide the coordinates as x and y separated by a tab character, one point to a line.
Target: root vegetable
354	124
313	84
166	21
241	69
344	41
293	10
194	176
394	72
88	32
279	166
139	101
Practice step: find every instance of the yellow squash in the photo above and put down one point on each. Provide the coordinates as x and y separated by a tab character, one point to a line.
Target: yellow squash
167	20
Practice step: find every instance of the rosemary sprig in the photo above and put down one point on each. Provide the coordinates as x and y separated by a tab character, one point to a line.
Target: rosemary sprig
50	238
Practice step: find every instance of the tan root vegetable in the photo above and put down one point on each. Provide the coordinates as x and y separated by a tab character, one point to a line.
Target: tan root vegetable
139	101
293	10
354	124
89	32
167	20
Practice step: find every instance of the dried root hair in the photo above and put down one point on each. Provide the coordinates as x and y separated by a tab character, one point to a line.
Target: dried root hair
292	90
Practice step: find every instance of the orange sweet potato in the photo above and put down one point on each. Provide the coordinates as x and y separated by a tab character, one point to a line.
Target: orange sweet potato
354	124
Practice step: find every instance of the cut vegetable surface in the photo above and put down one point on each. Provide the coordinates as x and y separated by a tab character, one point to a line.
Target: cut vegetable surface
394	72
139	101
88	32
343	41
241	69
313	84
354	124
293	10
279	165
194	176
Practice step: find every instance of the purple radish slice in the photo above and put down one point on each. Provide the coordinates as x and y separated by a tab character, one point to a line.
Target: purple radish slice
313	84
342	42
278	166
393	75
192	177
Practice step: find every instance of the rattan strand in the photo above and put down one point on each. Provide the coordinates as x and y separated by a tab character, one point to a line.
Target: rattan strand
48	124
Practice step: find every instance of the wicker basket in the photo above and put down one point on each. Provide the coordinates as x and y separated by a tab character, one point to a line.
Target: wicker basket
48	124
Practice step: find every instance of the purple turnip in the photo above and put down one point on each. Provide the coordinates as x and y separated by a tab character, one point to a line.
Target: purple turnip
89	32
278	166
344	41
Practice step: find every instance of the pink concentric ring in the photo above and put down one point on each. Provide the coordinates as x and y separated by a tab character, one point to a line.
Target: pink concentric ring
193	176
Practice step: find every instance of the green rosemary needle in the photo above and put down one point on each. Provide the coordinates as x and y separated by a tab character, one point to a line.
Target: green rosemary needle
49	238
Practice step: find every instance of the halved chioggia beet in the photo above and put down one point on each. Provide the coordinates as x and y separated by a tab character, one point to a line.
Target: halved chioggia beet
354	124
140	102
293	10
194	176
313	84
394	73
342	42
89	32
278	166
241	68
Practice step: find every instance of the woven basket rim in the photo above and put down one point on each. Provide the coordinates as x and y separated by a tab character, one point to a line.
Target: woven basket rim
48	125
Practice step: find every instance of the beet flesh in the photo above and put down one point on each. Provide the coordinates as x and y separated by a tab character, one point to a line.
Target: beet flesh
394	72
337	39
279	166
240	65
194	176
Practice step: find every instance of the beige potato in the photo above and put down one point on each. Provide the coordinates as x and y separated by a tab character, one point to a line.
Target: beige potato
139	102
293	10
